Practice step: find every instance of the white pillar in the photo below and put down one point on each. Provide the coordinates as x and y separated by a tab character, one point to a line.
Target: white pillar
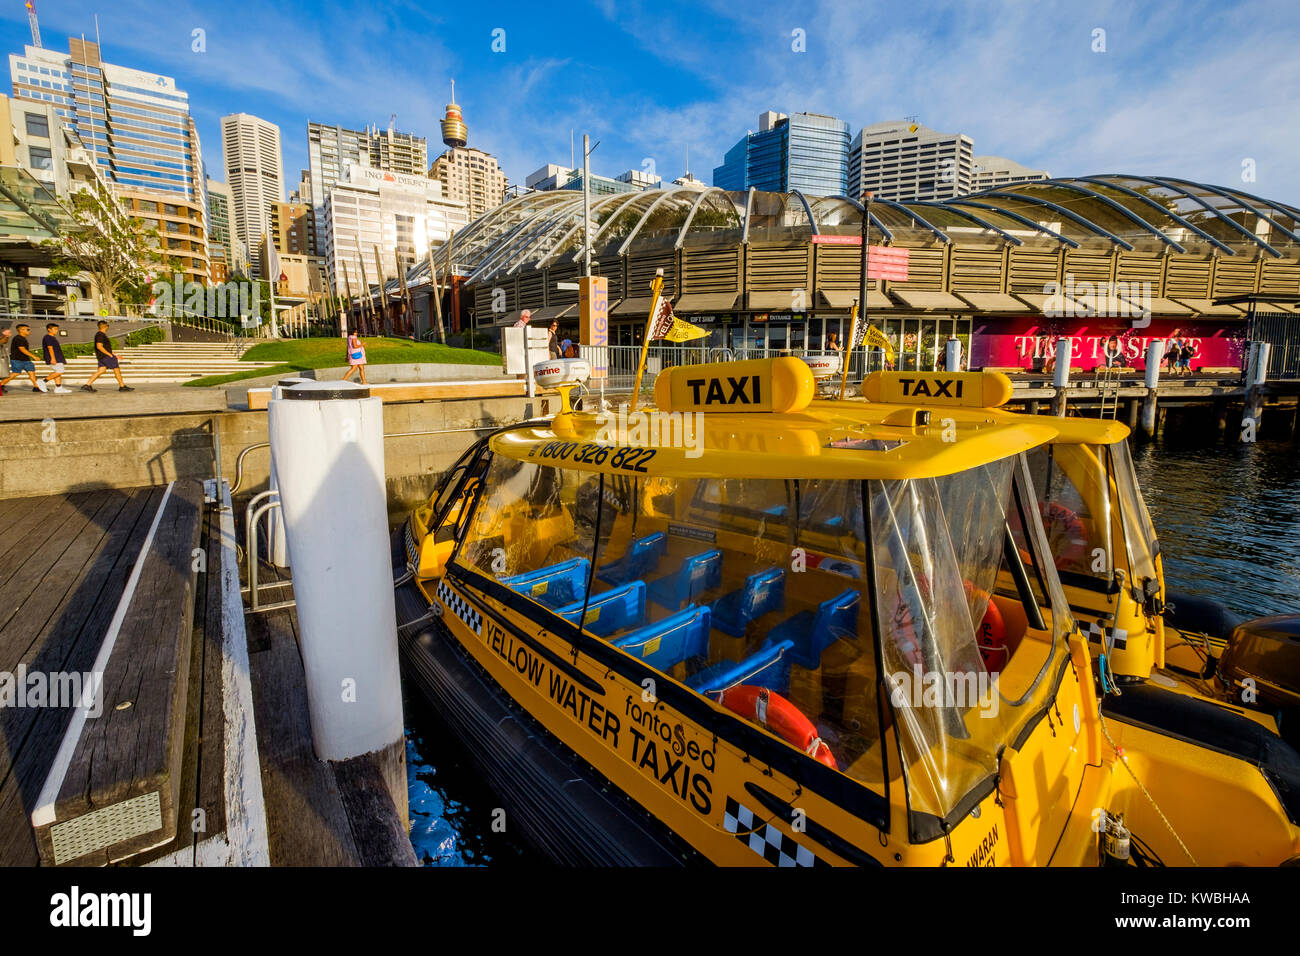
952	355
1061	376
328	448
1155	355
277	546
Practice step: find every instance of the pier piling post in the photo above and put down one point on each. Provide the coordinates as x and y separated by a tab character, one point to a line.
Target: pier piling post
1155	353
1132	413
1061	377
1256	374
952	355
327	442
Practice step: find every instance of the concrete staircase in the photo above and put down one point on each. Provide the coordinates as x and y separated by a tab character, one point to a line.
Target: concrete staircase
164	362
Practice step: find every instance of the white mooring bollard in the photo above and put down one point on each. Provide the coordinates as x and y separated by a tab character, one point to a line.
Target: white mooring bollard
1155	355
277	547
952	355
1061	376
328	447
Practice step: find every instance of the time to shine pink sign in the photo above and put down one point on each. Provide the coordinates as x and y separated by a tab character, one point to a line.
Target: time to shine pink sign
1029	342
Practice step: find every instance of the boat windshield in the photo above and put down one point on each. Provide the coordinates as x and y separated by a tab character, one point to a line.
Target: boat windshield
1093	512
724	582
1139	532
1076	502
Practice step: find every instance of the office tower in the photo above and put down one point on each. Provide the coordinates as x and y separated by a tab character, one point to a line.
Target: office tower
379	218
992	171
332	150
136	124
470	176
902	159
807	152
250	147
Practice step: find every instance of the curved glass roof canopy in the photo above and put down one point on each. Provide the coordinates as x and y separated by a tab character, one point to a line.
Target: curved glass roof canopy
1103	212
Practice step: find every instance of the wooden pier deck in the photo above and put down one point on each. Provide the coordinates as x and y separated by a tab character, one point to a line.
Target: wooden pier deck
198	752
320	813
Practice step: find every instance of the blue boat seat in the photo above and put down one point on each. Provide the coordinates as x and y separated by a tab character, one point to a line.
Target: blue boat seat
669	642
641	558
812	632
555	585
764	591
610	611
698	574
768	667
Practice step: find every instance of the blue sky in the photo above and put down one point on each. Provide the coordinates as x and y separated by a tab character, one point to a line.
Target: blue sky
1193	89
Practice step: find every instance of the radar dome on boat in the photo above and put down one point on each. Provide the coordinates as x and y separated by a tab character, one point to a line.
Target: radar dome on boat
822	366
557	373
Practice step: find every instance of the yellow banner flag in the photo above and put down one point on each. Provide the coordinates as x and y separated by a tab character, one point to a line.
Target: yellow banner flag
875	339
682	331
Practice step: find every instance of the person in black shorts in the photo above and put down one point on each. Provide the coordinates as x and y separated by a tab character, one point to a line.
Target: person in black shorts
22	359
107	360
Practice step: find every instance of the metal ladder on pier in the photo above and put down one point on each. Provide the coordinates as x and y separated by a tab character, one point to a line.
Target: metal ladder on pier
1108	389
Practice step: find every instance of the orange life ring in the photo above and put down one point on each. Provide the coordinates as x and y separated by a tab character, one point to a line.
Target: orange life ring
1065	535
990	634
769	709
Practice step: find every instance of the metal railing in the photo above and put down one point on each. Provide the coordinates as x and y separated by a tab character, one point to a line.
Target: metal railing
623	360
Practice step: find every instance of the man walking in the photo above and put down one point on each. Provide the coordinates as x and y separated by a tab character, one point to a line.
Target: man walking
22	359
106	359
4	355
53	353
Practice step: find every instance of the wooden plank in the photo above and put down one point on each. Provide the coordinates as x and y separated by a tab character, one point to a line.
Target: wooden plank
34	538
32	640
201	774
307	822
259	398
134	748
13	509
210	784
49	601
75	647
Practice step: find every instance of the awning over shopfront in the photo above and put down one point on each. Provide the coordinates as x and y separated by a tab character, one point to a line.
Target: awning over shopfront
709	302
772	301
1158	305
928	301
993	302
1211	308
639	306
844	299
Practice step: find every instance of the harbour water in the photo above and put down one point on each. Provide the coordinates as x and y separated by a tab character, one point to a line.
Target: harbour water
1228	518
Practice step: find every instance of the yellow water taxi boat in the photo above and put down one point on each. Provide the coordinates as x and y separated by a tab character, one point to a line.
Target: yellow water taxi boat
746	627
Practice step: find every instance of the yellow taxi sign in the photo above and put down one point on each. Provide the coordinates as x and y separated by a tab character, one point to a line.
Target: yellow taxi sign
966	389
778	385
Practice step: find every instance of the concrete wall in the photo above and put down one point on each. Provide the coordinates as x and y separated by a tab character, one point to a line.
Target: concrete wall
69	455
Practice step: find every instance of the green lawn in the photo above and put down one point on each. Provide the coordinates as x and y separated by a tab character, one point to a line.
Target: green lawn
297	355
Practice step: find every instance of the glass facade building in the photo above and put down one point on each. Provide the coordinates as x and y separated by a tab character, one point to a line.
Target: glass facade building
136	124
807	152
